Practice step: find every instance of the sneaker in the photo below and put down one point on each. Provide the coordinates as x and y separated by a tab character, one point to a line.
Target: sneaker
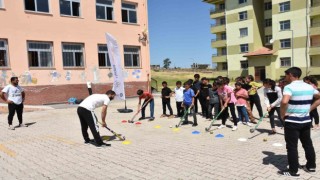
195	124
151	119
289	173
142	118
88	141
11	127
244	123
249	124
23	125
221	126
308	170
171	116
103	145
163	115
234	128
185	123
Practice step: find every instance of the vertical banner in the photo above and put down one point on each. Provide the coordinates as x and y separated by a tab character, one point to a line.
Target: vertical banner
115	61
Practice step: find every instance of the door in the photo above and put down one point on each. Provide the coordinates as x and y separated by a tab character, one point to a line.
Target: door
260	73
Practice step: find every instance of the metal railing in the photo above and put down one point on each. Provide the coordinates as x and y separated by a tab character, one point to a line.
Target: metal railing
218	54
214	11
218	24
218	39
315	3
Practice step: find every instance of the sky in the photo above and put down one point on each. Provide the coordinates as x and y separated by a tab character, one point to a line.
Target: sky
180	30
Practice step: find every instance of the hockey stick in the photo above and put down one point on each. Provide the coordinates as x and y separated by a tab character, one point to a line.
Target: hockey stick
213	120
183	117
260	120
134	116
122	138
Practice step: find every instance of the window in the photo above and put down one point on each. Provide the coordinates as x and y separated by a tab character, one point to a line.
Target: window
70	7
285	62
244	48
223	51
103	56
267	6
285	25
244	64
223	36
285	6
268	22
104	9
243	32
40	54
242	1
243	15
222	21
268	38
222	6
129	13
3	53
72	55
224	66
131	56
285	43
37	5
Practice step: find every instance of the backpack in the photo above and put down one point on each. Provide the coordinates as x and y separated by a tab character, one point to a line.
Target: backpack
72	100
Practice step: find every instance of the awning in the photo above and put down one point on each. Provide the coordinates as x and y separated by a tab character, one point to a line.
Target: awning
260	52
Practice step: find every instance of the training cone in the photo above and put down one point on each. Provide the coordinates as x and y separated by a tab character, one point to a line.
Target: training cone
138	123
157	127
124	121
195	132
219	136
175	129
126	142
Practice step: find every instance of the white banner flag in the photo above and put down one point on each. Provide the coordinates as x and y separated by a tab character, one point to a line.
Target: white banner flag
115	61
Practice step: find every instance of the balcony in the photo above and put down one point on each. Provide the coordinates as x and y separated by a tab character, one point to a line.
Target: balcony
216	28
314	49
213	1
219	58
315	29
315	8
218	42
215	13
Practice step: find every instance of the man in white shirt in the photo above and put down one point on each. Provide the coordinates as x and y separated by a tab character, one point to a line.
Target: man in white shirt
88	118
15	98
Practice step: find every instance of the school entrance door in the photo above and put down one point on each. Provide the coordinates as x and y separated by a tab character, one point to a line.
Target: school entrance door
260	73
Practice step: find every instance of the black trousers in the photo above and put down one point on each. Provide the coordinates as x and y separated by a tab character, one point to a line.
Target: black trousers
233	113
204	107
179	109
13	108
255	100
193	113
292	133
216	110
166	104
314	115
224	114
89	119
271	115
196	104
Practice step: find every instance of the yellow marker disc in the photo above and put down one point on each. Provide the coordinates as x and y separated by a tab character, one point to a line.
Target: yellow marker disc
175	129
157	127
126	142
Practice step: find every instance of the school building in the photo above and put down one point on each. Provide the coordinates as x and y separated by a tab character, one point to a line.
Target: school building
265	37
56	46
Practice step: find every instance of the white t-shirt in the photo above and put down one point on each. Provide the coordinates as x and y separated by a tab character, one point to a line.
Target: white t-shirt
14	93
95	101
179	94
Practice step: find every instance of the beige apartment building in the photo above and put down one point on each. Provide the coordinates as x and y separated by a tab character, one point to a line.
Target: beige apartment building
56	46
265	37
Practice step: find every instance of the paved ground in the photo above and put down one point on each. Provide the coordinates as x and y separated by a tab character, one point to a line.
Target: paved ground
52	148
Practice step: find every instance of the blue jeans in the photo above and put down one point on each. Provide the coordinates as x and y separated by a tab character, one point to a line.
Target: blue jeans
242	112
144	105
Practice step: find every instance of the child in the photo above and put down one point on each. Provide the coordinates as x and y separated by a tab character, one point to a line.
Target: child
233	100
272	99
148	99
165	95
253	95
188	102
178	91
242	96
214	101
314	115
204	97
247	87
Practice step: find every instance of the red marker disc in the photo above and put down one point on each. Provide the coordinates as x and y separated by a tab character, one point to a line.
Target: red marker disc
124	121
138	123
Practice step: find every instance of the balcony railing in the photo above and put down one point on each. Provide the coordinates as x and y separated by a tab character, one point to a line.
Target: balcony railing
315	45
315	3
317	24
214	11
218	54
218	24
218	39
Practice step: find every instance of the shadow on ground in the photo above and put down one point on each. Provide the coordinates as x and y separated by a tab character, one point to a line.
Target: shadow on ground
278	161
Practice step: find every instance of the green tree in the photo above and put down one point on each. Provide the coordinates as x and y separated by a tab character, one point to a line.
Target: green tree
166	63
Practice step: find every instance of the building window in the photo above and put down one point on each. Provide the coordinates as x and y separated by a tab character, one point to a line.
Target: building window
222	21
40	54
244	48
131	56
70	7
285	25
285	6
267	6
3	53
223	51
244	64
268	38
285	62
285	43
223	36
37	5
242	1
243	32
224	66
243	15
222	6
104	9
129	13
72	55
103	56
268	22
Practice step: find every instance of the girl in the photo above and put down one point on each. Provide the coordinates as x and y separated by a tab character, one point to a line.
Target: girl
253	95
242	96
314	115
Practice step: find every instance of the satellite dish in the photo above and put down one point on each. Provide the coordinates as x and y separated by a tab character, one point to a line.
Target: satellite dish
271	41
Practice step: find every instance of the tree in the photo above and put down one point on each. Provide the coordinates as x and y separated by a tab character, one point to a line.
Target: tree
166	63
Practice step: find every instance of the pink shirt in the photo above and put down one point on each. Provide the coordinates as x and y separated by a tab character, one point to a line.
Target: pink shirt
227	92
241	101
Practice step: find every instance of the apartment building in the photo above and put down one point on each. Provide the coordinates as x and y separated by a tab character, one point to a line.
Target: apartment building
56	46
265	37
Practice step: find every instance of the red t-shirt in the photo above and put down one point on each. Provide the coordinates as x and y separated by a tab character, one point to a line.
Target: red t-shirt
146	95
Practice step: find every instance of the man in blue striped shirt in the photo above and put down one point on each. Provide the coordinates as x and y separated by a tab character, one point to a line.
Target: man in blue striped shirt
295	108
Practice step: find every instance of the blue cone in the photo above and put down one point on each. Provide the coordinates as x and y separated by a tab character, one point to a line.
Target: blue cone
219	136
195	132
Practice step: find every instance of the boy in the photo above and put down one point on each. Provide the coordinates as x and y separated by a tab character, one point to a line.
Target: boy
165	95
204	97
178	91
214	101
148	99
196	87
242	96
188	102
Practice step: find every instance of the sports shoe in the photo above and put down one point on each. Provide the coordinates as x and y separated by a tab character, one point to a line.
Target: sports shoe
11	127
249	124
221	126
185	123
103	145
171	116
142	118
195	124
244	123
151	119
23	125
234	128
163	115
289	173
308	170
88	141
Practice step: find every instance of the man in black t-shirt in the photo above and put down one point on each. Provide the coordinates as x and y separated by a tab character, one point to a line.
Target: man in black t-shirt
196	88
204	97
165	95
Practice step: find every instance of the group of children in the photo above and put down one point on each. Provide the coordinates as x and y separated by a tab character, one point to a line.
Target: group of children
219	98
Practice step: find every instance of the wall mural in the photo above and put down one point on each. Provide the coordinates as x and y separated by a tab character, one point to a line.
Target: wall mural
83	76
96	75
54	76
68	75
110	75
3	78
137	73
26	78
125	74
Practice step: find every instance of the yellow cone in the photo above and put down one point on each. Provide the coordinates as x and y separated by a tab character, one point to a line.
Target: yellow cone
157	127
175	129
126	142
